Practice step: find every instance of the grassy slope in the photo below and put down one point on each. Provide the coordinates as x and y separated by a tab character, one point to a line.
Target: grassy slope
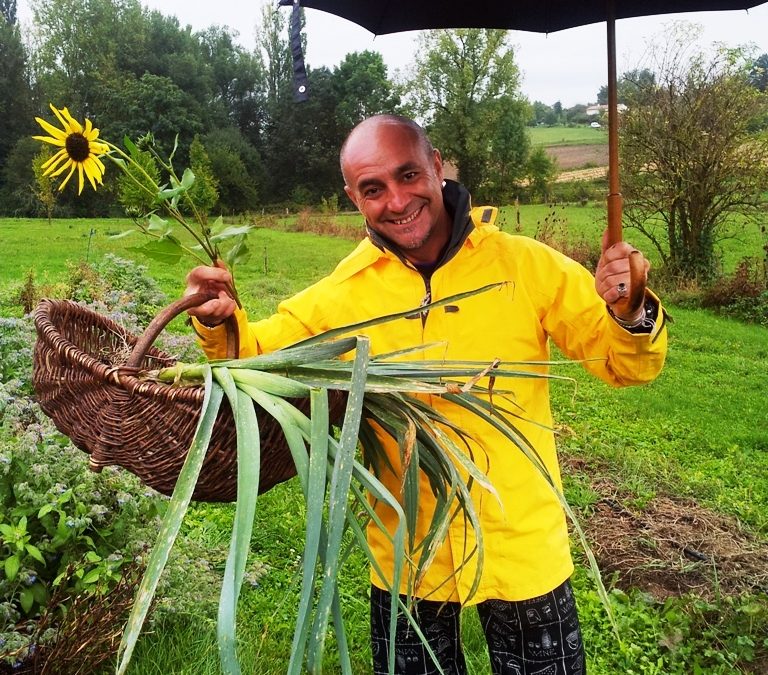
699	430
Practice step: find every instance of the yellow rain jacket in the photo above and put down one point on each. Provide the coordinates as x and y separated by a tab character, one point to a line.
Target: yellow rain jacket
546	296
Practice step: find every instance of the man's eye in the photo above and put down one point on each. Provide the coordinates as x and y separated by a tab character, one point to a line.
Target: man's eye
410	175
371	192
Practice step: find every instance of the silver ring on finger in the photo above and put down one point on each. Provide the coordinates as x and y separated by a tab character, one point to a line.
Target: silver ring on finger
622	290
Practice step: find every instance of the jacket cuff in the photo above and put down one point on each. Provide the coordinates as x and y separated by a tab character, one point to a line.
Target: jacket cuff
651	324
213	341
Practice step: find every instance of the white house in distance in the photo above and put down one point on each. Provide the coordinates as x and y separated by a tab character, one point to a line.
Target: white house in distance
599	109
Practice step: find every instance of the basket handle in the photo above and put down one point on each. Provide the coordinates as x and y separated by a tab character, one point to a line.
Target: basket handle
157	325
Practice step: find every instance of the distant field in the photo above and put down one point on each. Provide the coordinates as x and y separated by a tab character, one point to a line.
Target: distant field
582	135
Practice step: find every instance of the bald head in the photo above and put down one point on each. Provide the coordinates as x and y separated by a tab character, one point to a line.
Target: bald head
370	125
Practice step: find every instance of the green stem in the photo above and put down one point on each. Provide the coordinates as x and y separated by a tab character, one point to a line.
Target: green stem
206	245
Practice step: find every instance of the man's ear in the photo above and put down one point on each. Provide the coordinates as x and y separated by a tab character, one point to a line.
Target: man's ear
351	195
438	164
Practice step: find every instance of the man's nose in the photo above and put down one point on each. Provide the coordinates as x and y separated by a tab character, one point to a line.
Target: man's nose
399	198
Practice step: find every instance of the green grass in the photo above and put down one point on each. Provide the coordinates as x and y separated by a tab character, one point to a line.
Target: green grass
581	135
699	431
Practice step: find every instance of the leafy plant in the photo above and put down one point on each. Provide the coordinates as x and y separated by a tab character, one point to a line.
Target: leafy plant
143	194
61	526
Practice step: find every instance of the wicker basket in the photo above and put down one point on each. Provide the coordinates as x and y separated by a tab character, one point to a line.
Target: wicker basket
145	427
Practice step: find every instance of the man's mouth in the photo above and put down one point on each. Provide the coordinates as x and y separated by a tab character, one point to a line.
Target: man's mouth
409	219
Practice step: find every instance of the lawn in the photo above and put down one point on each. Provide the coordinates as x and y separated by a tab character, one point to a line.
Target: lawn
580	135
697	438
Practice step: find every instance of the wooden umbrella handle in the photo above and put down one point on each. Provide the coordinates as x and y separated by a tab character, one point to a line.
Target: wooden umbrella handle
629	305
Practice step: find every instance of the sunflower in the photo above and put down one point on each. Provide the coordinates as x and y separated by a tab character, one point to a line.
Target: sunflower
79	149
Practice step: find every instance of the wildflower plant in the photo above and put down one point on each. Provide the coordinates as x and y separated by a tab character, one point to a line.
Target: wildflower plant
159	209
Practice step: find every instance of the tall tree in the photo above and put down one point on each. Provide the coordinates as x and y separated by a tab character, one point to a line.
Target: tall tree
15	102
510	147
237	79
238	170
692	171
280	149
363	88
461	77
78	43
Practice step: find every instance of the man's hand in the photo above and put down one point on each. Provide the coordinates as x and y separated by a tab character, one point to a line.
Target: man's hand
613	280
216	281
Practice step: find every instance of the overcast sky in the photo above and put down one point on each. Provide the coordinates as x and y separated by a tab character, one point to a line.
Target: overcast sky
568	66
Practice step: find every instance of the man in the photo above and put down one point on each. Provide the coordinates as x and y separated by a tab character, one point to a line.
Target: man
426	243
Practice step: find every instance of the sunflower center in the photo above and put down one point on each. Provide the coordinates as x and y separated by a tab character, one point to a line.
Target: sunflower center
77	147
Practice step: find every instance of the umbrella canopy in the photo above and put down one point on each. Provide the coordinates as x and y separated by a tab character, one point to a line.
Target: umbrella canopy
541	16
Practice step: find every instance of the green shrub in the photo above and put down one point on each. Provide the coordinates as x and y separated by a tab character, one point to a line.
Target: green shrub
742	295
56	514
68	535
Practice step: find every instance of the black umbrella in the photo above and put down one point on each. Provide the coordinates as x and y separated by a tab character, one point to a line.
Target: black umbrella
541	16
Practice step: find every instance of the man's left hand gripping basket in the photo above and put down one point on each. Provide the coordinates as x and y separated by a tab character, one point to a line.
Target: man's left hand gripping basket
117	418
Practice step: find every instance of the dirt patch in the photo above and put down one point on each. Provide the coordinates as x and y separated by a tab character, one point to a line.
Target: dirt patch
578	156
672	546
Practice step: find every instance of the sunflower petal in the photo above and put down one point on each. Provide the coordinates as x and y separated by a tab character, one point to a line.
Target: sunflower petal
90	176
61	118
69	175
98	148
80	181
71	121
51	164
100	164
63	167
52	130
92	171
52	141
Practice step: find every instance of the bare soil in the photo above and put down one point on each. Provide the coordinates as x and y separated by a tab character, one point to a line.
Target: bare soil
671	546
578	156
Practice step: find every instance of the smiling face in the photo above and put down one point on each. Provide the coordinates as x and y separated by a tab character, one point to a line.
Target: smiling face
395	181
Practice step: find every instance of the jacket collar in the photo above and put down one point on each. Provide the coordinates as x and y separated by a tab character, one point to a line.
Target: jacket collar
457	202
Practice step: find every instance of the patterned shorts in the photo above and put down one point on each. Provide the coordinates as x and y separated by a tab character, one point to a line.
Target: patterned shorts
540	636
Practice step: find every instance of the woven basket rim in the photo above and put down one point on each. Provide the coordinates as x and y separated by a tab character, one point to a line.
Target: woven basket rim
120	375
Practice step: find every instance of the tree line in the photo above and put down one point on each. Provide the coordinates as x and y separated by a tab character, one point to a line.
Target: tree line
134	72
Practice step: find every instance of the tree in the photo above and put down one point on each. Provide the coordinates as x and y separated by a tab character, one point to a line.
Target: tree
363	89
205	190
465	82
758	73
44	189
540	170
577	114
15	102
150	104
629	86
510	146
690	164
238	169
540	111
8	11
78	46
